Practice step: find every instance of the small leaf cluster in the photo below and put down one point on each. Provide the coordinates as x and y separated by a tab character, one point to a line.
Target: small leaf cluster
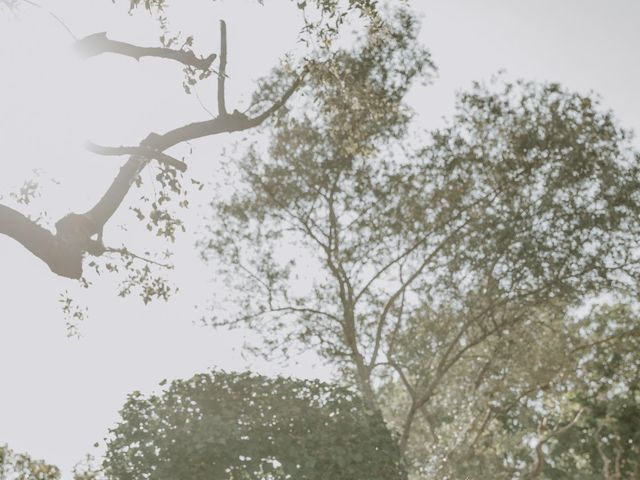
20	466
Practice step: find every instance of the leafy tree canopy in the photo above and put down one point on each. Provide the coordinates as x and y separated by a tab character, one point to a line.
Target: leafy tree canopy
222	425
440	275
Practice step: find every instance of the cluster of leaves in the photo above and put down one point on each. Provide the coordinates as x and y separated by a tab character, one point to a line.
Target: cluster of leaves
162	216
74	313
31	193
169	200
331	15
88	469
236	426
146	273
19	466
323	20
169	39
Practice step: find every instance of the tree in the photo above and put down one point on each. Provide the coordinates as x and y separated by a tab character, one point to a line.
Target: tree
552	395
236	426
588	421
20	466
79	235
435	267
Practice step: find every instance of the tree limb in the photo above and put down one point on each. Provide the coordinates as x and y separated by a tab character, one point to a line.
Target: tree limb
113	197
222	108
98	43
63	252
141	151
60	257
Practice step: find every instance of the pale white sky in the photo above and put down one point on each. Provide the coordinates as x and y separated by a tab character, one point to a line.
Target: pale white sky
57	395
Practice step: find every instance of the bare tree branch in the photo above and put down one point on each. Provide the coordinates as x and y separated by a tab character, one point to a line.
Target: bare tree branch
222	108
280	103
98	43
141	151
62	259
63	252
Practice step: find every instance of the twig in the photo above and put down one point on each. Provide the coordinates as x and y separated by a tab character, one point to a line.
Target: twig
54	16
126	253
204	107
539	465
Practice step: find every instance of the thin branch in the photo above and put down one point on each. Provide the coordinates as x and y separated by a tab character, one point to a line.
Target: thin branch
392	299
403	378
304	222
490	197
98	43
392	262
406	426
595	343
539	465
126	253
605	460
303	310
254	122
483	426
141	151
54	16
391	342
448	457
222	109
442	368
204	107
617	464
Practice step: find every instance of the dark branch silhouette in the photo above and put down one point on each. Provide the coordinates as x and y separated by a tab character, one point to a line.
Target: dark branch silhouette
63	259
222	108
63	251
98	43
141	151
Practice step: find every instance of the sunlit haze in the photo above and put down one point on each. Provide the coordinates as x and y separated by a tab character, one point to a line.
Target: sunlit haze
59	395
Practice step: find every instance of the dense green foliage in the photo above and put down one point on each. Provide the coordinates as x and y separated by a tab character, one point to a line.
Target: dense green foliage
246	426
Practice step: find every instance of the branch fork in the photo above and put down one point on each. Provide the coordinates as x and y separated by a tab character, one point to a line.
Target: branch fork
80	234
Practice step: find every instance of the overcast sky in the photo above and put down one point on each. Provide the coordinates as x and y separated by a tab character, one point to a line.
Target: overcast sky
58	395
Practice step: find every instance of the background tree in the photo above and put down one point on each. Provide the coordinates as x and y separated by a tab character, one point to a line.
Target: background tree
236	426
537	411
439	269
597	398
